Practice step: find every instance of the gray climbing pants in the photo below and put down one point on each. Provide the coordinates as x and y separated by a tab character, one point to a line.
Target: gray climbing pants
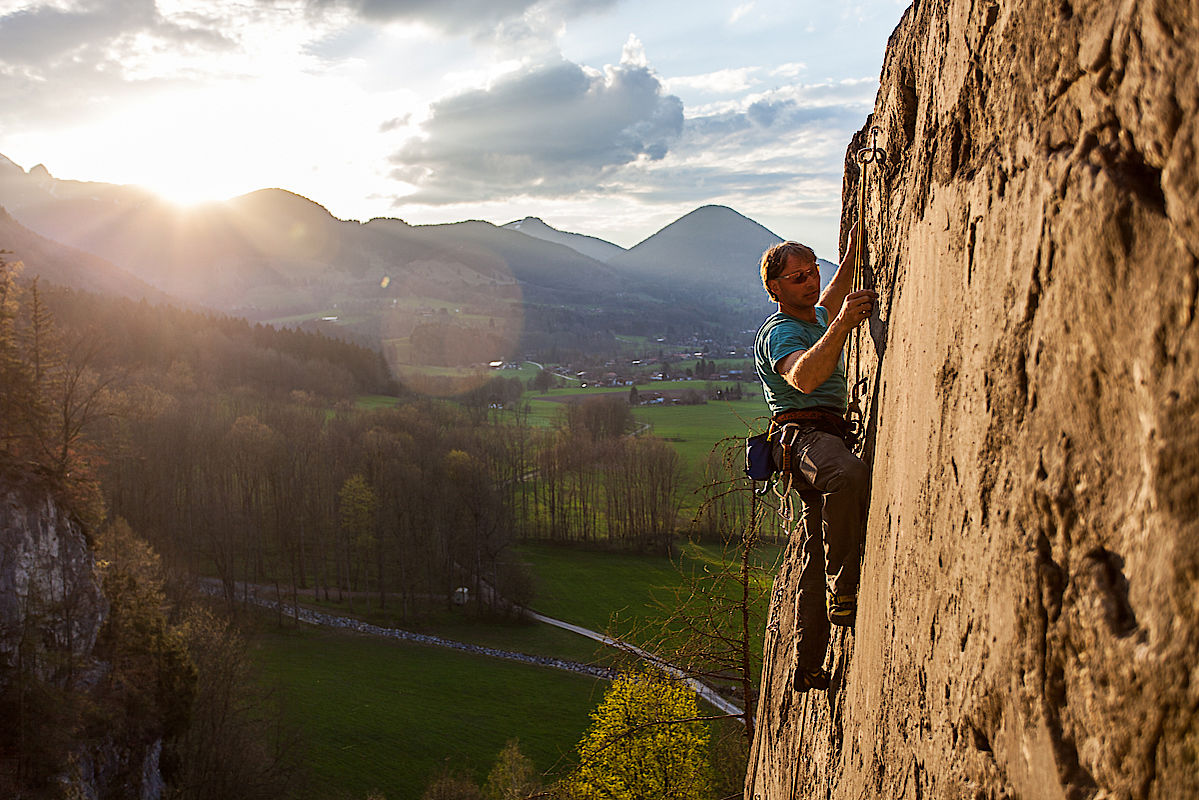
834	486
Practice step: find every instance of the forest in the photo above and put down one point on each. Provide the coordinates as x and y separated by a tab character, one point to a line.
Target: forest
243	453
237	451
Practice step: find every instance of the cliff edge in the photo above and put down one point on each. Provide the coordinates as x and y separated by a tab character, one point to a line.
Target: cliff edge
1027	616
73	725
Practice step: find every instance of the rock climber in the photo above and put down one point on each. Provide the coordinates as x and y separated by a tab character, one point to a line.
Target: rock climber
798	354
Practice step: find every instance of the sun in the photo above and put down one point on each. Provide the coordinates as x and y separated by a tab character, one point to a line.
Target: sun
314	136
186	188
175	154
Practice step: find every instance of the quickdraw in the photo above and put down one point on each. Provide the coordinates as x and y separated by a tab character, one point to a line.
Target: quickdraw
871	154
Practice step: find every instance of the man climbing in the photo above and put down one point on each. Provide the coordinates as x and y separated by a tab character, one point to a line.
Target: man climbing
799	359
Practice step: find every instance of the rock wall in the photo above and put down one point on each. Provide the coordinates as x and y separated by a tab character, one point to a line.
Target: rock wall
52	609
51	603
1027	621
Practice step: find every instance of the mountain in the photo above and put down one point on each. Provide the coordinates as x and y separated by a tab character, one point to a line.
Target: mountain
273	254
20	189
827	270
589	246
273	249
547	271
67	266
712	250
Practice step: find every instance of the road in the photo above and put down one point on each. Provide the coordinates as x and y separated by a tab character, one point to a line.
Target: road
699	687
261	596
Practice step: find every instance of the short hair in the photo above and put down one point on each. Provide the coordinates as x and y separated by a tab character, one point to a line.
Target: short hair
775	259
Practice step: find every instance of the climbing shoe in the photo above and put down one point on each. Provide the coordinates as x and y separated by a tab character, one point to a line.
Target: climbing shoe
809	679
842	609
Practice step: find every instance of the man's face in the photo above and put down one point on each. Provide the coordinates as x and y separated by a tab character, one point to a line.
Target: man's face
798	284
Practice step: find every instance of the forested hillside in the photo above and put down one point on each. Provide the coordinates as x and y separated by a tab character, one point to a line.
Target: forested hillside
218	452
238	450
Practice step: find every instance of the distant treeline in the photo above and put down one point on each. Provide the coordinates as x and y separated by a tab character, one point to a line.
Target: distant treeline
596	484
216	351
399	503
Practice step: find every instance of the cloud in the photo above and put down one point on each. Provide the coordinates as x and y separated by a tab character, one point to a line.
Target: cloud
552	129
43	37
444	14
395	123
503	19
724	81
740	11
65	65
776	156
791	69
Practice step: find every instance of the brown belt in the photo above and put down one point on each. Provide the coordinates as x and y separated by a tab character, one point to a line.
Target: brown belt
821	419
811	416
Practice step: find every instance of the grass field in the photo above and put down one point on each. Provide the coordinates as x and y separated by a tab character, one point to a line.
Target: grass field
707	422
383	717
369	402
461	625
694	430
590	587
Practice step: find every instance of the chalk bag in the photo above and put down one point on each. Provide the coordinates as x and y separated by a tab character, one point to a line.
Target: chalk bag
759	461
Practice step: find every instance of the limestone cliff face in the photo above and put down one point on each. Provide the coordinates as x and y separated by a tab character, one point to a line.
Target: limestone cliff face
51	603
52	609
1027	622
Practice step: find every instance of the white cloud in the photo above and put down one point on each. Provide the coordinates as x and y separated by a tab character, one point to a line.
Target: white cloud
510	20
740	11
724	81
633	53
791	69
552	129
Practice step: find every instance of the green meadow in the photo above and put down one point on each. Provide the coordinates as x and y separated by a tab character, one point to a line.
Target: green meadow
382	717
625	593
462	625
592	587
694	431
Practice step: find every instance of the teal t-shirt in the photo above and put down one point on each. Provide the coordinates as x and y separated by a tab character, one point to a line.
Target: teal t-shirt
780	336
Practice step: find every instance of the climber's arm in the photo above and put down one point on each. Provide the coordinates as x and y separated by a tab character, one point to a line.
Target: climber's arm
807	369
842	283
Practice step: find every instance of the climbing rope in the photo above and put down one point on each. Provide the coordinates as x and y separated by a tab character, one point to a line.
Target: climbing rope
871	154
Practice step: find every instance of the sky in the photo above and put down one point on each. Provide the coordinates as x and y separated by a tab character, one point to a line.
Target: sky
606	117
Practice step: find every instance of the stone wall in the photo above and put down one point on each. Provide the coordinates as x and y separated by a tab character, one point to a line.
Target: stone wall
1027	622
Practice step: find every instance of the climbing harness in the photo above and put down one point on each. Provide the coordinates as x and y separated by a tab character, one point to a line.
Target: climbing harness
872	154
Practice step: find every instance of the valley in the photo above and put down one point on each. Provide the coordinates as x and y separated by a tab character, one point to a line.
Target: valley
376	419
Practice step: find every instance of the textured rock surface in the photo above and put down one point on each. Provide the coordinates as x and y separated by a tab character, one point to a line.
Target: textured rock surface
1027	624
52	609
50	595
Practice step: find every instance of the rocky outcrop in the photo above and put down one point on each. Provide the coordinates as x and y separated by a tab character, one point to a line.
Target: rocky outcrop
52	611
51	603
1027	622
